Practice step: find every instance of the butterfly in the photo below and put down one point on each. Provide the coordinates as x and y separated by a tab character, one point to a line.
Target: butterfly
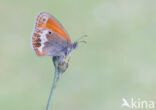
50	38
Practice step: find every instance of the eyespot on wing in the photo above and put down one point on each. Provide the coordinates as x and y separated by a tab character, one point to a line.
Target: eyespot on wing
46	20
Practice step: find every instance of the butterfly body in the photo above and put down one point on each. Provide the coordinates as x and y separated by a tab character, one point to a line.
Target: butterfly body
50	38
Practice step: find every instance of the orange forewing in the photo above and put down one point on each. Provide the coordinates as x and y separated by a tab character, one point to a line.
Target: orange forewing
48	21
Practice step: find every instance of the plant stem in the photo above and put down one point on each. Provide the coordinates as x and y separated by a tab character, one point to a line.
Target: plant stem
56	76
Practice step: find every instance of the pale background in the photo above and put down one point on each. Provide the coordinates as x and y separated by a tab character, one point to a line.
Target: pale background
118	61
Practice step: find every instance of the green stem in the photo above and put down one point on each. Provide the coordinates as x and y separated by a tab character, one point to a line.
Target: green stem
56	76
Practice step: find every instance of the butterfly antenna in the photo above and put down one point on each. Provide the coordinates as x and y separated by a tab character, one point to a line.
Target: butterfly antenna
75	44
83	41
81	37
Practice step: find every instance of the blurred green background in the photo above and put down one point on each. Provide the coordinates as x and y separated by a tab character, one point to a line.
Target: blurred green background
118	61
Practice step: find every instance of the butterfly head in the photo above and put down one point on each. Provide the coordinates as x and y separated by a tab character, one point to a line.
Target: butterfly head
75	44
70	47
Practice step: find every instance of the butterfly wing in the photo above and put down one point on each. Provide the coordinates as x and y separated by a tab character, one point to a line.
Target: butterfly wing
46	20
49	37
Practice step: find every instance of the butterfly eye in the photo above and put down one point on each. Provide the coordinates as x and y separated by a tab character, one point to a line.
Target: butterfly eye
66	53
